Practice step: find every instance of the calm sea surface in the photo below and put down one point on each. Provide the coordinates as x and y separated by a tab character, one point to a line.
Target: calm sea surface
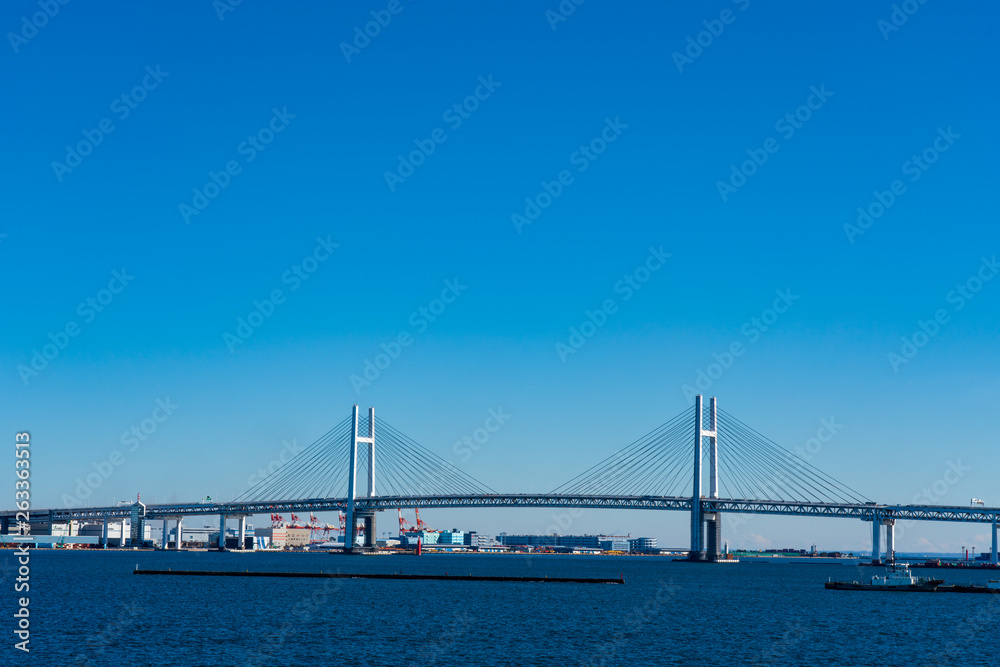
88	609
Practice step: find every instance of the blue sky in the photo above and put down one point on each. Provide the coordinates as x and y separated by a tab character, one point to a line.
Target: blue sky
329	126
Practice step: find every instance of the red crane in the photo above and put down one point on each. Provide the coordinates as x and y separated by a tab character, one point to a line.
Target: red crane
404	525
420	522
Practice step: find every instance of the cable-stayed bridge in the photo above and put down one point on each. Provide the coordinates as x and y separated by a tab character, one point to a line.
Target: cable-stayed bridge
364	465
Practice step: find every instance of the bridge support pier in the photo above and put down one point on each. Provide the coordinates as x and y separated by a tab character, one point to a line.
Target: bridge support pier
242	533
370	541
993	554
222	532
713	537
890	541
180	534
876	540
705	525
350	533
104	534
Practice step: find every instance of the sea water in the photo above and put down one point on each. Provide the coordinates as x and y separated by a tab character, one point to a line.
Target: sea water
87	608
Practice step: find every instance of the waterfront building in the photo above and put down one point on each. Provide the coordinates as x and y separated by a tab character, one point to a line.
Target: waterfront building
96	529
297	537
571	541
527	540
643	545
426	537
614	545
478	541
453	536
270	538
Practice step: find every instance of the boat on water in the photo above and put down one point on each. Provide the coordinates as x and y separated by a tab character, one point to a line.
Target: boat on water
897	578
990	587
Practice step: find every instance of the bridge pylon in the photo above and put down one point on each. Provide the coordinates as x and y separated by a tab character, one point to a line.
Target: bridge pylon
706	528
876	538
351	515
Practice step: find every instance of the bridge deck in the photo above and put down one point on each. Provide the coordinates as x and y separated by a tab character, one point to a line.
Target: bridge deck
738	506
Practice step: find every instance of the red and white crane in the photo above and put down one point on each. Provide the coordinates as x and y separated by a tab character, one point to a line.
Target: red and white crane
420	522
404	525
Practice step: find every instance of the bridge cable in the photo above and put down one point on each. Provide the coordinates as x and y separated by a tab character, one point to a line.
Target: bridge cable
801	473
597	477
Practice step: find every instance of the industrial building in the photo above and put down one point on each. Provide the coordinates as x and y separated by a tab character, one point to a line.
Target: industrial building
297	537
621	543
270	538
119	532
453	539
573	541
454	536
614	545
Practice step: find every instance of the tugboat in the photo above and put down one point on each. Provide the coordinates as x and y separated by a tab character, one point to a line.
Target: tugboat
897	578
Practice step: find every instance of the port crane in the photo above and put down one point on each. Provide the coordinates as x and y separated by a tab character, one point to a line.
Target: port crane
420	522
404	525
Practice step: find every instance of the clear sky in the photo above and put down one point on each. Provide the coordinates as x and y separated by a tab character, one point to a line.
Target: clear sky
682	169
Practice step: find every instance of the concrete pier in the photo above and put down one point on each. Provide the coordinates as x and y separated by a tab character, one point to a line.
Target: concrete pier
876	540
890	541
993	555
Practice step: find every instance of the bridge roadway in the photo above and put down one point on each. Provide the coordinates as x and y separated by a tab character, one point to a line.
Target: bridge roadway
865	512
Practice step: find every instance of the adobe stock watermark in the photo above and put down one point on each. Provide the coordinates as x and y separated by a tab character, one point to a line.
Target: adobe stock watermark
961	295
914	168
381	18
88	309
563	11
223	7
780	651
132	439
30	27
454	115
630	283
975	626
480	436
824	434
250	148
298	616
443	645
95	646
420	320
806	451
288	450
122	107
900	14
935	492
751	330
581	158
787	125
713	30
22	527
634	620
294	277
